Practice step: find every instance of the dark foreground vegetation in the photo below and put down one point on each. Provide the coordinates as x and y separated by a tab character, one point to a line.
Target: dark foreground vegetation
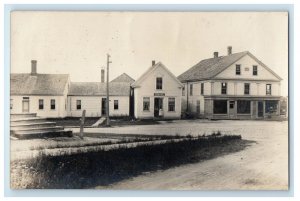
88	170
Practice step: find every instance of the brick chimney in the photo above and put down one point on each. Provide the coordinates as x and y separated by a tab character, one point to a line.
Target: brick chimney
153	62
216	54
102	75
229	50
33	67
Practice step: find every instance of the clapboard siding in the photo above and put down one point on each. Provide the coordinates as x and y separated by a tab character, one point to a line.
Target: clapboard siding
93	106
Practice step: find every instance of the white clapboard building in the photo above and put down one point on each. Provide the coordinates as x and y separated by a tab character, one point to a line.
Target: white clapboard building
44	94
234	86
157	94
91	96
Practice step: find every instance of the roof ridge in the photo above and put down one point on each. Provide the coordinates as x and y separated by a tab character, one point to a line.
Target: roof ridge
224	67
208	68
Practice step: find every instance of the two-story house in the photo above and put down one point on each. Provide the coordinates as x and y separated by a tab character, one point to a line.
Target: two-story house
235	86
157	94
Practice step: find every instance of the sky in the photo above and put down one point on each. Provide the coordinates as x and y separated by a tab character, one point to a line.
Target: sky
77	43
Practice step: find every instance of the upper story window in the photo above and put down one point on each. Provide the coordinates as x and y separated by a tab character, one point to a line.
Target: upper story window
41	104
247	88
78	104
52	104
223	88
183	91
159	82
116	104
268	89
254	70
202	89
238	69
191	89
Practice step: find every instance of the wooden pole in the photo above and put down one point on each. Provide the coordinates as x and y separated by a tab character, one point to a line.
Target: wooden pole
107	92
82	124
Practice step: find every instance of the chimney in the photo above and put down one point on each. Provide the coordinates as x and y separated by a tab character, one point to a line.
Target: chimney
229	50
216	54
153	62
102	75
33	67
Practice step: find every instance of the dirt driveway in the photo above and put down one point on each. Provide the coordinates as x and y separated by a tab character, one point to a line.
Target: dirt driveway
263	165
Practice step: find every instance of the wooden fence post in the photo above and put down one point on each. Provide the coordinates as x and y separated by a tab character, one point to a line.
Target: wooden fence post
82	124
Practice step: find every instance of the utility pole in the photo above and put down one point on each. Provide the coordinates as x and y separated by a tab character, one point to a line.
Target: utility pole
107	91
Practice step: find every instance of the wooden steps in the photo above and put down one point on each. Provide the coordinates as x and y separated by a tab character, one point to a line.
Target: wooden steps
28	126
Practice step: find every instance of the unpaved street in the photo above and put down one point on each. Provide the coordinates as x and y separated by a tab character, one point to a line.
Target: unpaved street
263	165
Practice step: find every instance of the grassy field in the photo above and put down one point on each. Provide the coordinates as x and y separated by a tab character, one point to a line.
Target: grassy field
105	167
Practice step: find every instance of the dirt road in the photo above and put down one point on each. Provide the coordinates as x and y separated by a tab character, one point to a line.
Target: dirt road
263	165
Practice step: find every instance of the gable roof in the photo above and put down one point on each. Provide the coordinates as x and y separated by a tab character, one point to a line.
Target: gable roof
123	78
39	84
99	89
152	68
209	68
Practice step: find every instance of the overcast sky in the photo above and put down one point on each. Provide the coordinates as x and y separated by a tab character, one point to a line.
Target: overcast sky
76	43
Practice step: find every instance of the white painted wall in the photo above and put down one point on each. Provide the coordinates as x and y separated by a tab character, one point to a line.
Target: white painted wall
196	96
60	110
93	106
147	88
257	88
247	62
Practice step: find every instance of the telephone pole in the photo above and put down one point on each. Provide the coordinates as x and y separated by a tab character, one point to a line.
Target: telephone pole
107	91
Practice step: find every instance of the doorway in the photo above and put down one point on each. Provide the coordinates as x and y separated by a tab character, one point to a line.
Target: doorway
158	104
232	109
25	105
103	106
260	109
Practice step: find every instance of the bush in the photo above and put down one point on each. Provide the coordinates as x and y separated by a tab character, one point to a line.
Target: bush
87	170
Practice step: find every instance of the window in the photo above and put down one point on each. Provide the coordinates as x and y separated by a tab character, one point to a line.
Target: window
202	89
78	104
52	104
271	106
11	103
231	104
223	88
238	69
243	107
254	70
159	83
268	89
198	107
171	104
191	89
146	104
247	88
220	106
183	91
41	104
116	104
